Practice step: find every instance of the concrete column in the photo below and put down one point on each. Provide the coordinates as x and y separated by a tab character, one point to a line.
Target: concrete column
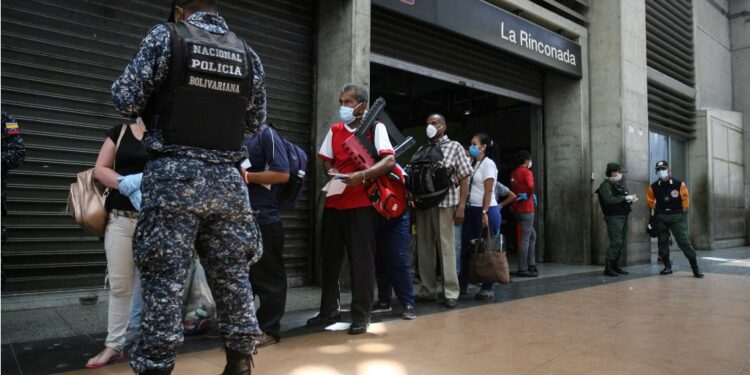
717	218
619	115
740	40
343	56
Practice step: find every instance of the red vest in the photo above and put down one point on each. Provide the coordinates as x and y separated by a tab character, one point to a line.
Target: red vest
522	181
353	196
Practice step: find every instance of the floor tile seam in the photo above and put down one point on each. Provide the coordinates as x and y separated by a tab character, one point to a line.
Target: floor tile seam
15	359
575	346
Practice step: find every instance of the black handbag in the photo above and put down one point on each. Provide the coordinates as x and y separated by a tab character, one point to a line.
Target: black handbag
652	228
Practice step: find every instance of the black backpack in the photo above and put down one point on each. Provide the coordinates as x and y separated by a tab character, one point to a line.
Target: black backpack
428	179
291	191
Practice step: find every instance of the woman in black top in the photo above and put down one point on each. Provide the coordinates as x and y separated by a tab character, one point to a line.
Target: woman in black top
115	162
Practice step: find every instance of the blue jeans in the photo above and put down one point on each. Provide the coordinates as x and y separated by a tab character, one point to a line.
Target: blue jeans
134	325
472	229
459	239
393	260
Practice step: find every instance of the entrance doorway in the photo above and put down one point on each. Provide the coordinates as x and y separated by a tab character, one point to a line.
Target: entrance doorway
411	98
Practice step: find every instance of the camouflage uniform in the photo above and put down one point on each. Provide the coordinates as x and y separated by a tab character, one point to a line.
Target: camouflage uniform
13	154
192	197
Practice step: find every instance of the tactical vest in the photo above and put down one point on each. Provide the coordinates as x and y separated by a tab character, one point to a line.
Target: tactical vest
667	195
202	101
619	209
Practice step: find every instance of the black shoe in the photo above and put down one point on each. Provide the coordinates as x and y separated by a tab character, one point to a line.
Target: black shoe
158	371
381	307
696	270
520	273
534	271
318	320
237	363
667	267
358	328
451	303
616	268
266	340
409	313
609	271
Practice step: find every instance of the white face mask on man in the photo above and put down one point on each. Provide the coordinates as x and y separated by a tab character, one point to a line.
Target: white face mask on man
617	177
431	131
662	174
346	114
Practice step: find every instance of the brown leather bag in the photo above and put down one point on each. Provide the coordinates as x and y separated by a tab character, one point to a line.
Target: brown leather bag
87	197
488	263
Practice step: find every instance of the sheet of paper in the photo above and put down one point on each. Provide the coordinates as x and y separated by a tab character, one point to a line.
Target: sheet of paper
334	187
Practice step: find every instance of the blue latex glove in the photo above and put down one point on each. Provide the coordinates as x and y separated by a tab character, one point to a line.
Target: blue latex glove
522	197
130	186
536	203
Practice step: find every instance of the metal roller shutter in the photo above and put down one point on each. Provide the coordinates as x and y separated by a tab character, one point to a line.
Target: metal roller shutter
412	41
59	61
669	50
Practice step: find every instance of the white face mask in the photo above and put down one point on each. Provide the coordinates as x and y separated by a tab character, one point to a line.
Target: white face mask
617	178
431	131
530	163
662	174
346	114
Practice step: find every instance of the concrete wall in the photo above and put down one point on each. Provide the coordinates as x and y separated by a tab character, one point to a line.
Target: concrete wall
717	175
740	36
619	115
713	56
343	56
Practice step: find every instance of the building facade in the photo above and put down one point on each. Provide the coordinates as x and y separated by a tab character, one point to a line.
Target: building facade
578	82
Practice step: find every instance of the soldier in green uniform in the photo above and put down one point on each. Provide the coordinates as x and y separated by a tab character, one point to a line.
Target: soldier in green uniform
615	202
669	200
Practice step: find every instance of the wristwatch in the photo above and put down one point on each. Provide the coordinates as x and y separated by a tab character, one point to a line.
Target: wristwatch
484	212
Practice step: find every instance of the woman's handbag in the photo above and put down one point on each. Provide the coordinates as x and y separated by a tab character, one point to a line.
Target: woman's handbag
86	200
488	263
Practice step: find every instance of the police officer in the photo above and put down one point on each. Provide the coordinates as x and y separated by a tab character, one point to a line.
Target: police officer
615	202
198	88
669	200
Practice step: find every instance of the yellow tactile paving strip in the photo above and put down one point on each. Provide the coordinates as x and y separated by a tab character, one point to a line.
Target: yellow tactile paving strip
656	325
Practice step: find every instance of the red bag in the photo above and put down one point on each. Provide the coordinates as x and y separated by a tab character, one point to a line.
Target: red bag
388	194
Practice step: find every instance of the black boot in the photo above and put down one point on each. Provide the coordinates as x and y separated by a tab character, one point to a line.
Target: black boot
616	268
237	363
609	270
158	371
694	265
667	266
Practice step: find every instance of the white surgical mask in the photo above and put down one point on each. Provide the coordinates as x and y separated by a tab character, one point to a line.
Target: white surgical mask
431	131
530	163
617	178
346	114
662	174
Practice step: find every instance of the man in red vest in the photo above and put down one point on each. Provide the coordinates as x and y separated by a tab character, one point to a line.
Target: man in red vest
349	219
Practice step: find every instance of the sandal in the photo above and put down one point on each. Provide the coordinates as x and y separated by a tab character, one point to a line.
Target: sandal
114	358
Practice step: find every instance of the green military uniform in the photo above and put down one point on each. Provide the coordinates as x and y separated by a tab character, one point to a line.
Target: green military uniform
616	208
668	198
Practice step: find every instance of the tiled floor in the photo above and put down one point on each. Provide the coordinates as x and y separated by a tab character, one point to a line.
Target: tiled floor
646	325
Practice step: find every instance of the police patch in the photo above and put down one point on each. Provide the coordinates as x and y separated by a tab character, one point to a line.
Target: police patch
675	193
12	128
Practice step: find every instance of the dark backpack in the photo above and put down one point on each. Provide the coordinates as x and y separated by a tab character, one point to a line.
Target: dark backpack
428	179
290	191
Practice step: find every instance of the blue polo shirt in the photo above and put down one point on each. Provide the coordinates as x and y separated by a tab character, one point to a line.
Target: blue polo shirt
266	151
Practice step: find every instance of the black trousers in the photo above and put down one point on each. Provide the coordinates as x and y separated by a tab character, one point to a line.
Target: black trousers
353	231
268	278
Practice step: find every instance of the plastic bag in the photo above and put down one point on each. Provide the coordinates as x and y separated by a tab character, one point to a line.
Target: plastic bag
199	314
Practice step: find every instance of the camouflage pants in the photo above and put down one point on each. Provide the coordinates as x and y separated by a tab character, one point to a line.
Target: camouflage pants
187	204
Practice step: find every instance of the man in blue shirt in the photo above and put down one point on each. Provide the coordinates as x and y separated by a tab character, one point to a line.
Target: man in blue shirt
269	168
